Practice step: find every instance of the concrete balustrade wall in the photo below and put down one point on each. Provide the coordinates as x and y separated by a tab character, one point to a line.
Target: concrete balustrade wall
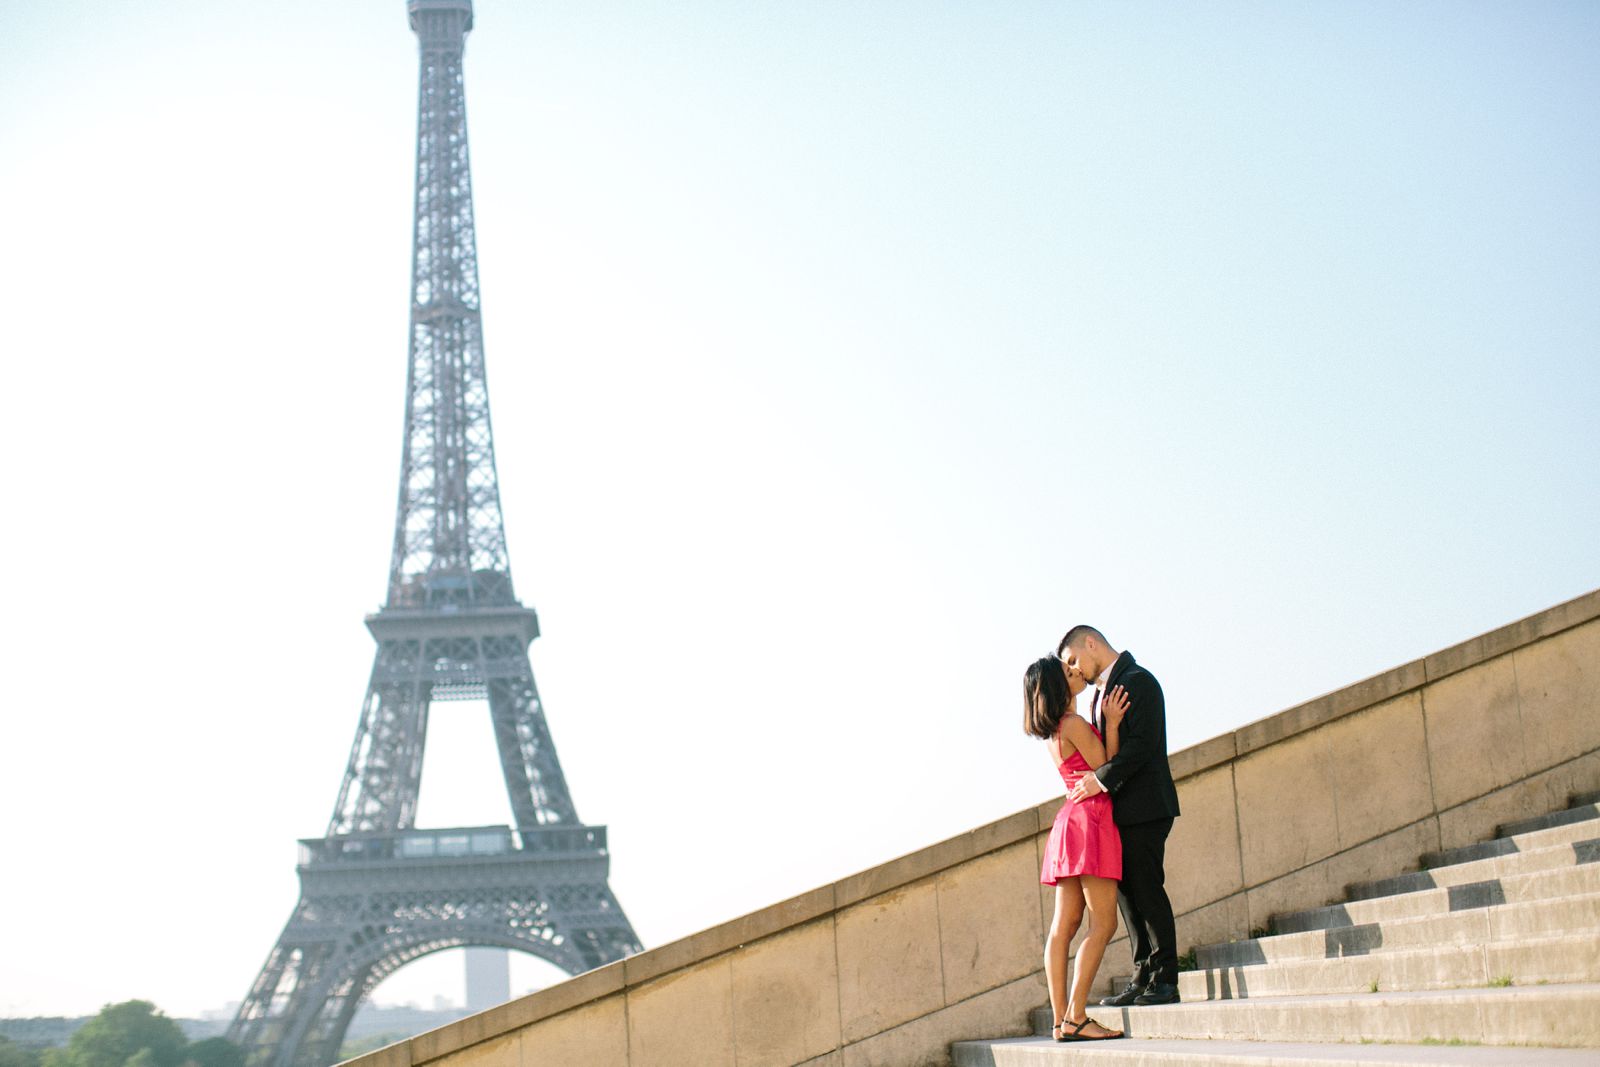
890	965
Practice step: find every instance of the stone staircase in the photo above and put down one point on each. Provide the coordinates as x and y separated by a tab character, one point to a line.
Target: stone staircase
1489	955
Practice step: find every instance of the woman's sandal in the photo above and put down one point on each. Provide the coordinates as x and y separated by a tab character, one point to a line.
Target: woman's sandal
1076	1033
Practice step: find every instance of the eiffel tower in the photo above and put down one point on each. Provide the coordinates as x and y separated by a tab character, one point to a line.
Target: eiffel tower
375	891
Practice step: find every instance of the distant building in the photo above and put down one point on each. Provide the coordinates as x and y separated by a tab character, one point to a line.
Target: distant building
488	977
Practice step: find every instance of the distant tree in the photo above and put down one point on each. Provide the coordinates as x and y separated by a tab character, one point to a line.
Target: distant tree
214	1052
130	1034
14	1055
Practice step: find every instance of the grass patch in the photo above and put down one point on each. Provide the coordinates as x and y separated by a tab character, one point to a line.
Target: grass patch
1187	961
1372	987
1452	1042
1501	982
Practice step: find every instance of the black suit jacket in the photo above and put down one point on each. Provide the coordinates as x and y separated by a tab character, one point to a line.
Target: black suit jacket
1138	777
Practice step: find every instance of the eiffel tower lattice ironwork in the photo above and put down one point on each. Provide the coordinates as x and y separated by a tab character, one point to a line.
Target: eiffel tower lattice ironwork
375	891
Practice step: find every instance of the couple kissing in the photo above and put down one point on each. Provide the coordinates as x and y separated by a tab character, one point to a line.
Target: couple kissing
1107	849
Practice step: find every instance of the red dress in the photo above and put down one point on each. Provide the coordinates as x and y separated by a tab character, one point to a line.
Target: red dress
1083	840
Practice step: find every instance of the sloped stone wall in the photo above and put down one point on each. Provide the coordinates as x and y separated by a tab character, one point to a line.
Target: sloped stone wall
890	965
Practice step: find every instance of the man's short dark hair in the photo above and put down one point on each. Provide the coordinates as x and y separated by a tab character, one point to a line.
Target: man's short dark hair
1077	634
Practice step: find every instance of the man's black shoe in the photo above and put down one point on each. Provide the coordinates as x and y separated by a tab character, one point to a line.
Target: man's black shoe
1124	998
1157	993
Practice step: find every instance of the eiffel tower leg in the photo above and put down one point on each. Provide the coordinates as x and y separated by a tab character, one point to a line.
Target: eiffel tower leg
593	923
316	977
316	1030
273	1018
337	1023
384	774
534	782
256	1027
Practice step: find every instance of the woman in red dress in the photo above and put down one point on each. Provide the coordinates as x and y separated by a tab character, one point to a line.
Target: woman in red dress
1083	858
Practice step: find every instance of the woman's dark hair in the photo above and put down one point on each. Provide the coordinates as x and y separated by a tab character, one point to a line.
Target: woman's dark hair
1045	697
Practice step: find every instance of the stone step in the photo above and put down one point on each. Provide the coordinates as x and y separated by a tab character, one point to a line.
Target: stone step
1546	1016
1502	922
1578	800
1524	961
1559	827
1573	814
1566	854
1043	1052
1535	885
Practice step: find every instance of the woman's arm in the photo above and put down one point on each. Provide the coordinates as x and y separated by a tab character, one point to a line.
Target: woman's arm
1114	707
1080	735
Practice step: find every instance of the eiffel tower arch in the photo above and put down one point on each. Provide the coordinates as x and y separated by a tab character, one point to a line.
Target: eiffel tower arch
377	892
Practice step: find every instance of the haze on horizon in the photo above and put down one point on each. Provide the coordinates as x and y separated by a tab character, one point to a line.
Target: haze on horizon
842	356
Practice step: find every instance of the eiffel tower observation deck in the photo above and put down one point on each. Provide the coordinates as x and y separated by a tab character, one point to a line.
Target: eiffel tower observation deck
376	891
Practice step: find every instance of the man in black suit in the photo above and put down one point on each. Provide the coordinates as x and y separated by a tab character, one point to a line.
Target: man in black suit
1144	802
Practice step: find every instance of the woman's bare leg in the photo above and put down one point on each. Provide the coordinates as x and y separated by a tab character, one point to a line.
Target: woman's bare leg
1100	895
1069	913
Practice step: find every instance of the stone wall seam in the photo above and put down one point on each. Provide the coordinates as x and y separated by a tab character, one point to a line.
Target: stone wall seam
627	1018
1522	724
938	923
733	1009
627	1027
1038	854
1568	615
448	1050
838	979
1238	831
1427	750
1333	790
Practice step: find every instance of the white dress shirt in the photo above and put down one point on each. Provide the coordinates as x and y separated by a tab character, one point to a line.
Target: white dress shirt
1100	694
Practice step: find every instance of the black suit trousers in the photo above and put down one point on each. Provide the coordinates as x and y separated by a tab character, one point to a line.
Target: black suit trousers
1142	900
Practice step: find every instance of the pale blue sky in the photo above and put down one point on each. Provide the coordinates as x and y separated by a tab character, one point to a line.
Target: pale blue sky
842	356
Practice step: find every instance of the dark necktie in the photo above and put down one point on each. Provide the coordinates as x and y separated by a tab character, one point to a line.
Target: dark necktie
1099	723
